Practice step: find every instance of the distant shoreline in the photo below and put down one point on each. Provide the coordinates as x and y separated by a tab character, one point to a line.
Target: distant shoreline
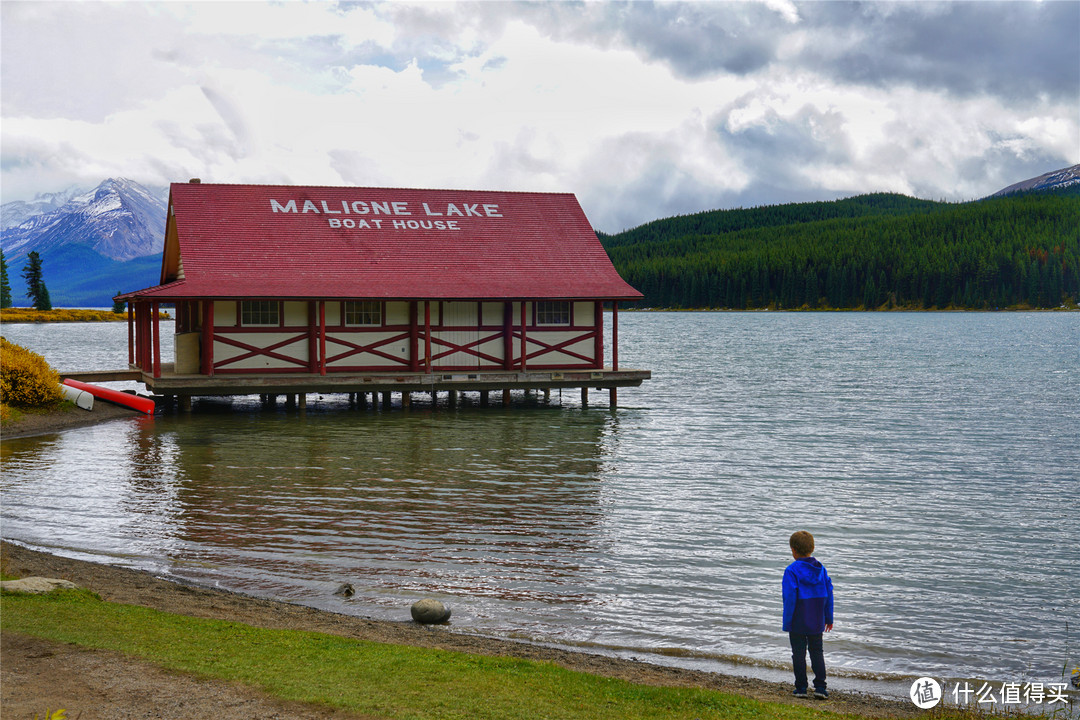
74	315
30	315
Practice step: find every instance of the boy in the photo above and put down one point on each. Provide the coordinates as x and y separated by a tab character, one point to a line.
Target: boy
808	612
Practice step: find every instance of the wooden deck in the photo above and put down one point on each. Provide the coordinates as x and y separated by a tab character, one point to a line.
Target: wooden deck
280	383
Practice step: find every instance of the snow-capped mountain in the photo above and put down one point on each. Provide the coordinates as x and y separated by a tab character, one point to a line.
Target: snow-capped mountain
19	211
119	219
93	243
1057	180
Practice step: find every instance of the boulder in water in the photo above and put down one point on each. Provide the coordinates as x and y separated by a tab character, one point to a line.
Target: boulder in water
430	612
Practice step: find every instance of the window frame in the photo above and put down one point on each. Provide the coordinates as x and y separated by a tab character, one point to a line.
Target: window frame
551	312
270	309
375	307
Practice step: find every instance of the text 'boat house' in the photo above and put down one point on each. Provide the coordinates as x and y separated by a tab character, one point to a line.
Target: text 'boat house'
281	290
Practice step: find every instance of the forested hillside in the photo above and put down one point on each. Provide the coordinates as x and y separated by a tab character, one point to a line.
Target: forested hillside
873	251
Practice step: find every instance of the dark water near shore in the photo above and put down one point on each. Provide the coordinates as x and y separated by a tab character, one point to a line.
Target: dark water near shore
936	458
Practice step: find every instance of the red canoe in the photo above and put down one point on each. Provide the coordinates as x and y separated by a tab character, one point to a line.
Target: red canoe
135	402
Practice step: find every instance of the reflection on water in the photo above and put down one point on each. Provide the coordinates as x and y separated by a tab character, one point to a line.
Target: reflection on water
933	456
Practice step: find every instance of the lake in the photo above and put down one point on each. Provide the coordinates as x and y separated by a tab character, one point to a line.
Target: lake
934	456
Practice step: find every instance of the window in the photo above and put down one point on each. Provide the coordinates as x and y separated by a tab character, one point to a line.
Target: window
363	312
552	312
259	312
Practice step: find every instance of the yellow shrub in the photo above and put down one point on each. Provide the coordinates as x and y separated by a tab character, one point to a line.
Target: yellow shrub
26	380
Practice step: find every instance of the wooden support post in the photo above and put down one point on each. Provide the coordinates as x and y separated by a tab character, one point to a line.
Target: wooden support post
301	401
386	400
598	340
613	398
427	336
156	323
547	394
207	350
483	398
414	337
584	396
290	400
508	335
406	400
322	337
185	403
506	396
614	334
131	332
361	399
313	337
452	398
524	351
434	398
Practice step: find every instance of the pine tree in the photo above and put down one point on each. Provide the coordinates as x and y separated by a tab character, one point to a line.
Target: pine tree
5	286
35	285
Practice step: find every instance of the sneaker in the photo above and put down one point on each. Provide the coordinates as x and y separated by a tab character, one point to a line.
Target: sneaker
800	694
821	694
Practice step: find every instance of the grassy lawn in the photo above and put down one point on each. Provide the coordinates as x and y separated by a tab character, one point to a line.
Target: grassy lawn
391	681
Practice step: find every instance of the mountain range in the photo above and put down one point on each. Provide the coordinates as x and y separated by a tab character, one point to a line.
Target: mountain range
92	243
97	242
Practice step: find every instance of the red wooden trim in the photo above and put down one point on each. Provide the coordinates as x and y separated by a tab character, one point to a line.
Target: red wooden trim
156	322
414	337
312	337
144	337
427	335
255	351
137	321
261	371
467	348
560	348
598	344
614	334
358	349
508	335
131	332
322	337
208	338
524	342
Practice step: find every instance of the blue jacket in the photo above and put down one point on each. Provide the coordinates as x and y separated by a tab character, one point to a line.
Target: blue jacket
808	597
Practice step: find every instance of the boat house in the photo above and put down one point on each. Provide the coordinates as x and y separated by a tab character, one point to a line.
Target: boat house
290	290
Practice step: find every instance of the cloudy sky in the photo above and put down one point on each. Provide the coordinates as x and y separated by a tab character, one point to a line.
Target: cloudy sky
643	110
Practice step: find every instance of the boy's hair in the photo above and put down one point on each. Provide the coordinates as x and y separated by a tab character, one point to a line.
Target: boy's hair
802	543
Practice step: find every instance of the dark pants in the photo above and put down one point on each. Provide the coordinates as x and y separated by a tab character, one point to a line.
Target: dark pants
800	643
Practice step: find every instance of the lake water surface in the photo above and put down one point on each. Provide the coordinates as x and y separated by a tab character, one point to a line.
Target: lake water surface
935	457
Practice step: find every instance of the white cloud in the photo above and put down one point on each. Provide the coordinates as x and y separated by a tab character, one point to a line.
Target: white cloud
487	96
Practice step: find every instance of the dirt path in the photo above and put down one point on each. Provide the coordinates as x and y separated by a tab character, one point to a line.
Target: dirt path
37	673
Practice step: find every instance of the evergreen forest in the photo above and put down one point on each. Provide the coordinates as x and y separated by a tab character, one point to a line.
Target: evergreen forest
878	251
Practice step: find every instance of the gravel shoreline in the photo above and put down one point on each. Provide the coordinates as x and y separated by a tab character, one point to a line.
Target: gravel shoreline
38	674
33	671
46	423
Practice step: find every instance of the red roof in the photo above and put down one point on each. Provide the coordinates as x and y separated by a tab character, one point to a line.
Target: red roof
260	241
